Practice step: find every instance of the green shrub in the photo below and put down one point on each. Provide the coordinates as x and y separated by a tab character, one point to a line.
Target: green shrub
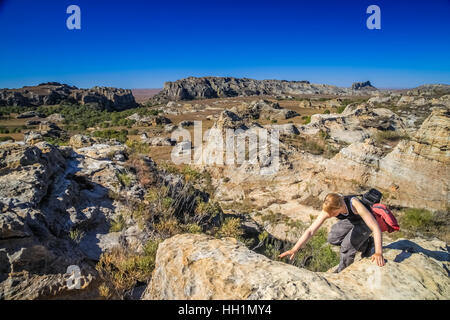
327	111
306	119
190	174
57	141
6	138
76	235
167	203
118	224
210	208
231	228
417	219
119	135
124	179
340	109
137	147
192	228
422	222
317	255
168	227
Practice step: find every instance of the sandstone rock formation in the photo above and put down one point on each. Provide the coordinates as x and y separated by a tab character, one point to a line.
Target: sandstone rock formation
57	206
201	267
411	172
220	87
55	93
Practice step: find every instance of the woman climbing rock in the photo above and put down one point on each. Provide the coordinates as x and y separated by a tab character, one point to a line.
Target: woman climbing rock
352	232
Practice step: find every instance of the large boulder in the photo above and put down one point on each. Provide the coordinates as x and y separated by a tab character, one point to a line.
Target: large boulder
194	266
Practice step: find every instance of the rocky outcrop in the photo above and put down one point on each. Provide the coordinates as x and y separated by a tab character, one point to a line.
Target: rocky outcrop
263	109
55	209
104	98
430	90
222	87
157	141
201	267
145	121
355	124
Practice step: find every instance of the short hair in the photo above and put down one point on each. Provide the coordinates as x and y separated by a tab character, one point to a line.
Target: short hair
332	202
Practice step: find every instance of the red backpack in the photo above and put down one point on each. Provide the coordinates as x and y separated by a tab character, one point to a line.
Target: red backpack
381	212
385	218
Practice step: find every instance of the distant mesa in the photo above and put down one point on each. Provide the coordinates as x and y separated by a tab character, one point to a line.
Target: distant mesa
50	84
222	87
51	93
363	86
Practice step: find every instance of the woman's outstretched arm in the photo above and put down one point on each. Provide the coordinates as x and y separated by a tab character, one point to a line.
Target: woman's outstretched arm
373	225
306	235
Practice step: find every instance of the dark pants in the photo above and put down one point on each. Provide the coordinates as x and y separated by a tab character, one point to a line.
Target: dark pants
352	238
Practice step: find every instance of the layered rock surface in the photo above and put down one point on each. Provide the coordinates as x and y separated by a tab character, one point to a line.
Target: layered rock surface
201	267
55	211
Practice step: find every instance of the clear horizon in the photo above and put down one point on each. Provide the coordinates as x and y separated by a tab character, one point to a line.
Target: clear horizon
142	44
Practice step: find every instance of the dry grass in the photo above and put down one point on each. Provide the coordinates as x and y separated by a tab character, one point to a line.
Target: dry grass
121	269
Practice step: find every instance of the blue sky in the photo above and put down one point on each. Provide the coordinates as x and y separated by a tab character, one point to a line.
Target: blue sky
142	44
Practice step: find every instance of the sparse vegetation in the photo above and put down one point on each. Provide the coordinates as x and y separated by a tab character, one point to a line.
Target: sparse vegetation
137	147
121	269
124	179
306	119
210	208
10	129
119	135
168	227
76	235
317	145
118	224
420	222
231	228
340	109
6	138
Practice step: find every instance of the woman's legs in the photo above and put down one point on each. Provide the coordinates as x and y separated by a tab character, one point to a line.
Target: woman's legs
351	238
338	232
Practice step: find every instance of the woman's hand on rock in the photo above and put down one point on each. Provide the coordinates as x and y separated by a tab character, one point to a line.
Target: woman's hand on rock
290	253
378	258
